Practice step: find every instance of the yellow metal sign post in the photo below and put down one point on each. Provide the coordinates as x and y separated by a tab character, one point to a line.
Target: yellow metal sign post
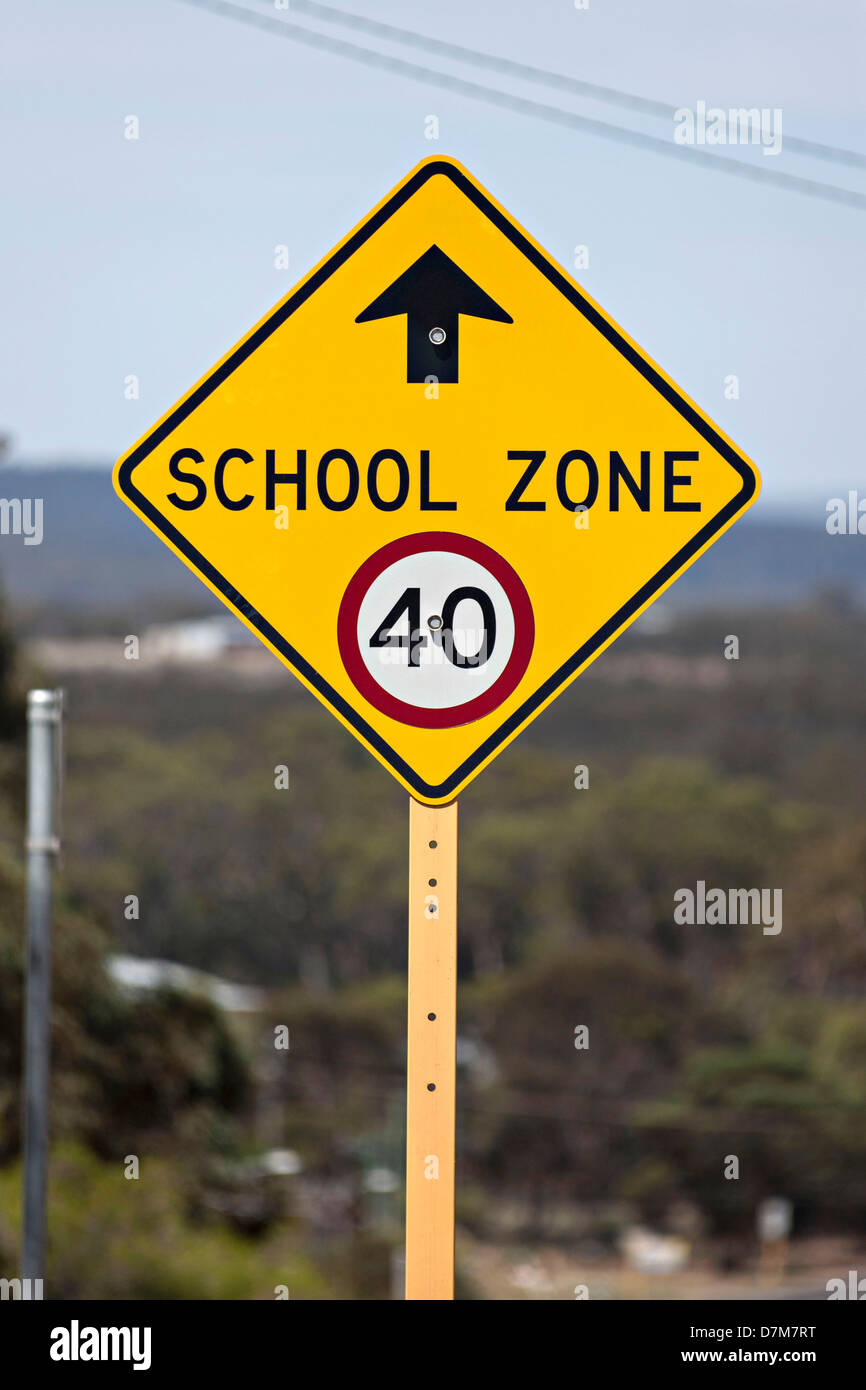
437	481
431	1057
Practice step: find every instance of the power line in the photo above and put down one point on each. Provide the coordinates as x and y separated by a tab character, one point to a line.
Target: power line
556	80
410	38
524	106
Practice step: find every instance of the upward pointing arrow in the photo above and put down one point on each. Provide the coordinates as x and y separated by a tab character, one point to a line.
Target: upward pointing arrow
432	294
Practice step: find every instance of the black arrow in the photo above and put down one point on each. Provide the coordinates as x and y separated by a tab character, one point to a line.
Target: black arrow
432	294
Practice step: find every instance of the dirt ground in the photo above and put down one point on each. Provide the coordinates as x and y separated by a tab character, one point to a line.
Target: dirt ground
506	1272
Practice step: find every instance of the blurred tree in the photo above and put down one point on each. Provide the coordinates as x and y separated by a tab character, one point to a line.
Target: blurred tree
126	1074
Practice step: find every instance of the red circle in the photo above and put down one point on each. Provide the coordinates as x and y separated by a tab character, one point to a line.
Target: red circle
453	715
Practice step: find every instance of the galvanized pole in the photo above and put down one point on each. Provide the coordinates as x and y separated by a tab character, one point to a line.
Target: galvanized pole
44	716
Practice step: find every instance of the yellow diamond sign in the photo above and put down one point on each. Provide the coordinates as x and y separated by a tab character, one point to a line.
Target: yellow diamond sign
437	480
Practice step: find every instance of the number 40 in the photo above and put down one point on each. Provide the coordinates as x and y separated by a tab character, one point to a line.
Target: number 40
441	627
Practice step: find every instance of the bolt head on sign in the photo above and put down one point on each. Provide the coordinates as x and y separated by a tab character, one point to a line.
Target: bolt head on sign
437	480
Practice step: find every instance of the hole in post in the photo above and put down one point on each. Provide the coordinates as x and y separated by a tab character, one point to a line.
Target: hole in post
430	1086
433	844
431	1017
432	882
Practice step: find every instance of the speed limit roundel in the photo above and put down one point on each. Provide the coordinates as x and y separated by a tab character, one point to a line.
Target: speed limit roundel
435	630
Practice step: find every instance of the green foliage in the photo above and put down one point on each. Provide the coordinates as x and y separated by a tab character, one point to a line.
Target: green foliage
124	1071
116	1238
345	1068
232	874
791	1108
704	1041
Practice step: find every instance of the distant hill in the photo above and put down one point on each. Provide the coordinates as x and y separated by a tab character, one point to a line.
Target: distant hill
97	559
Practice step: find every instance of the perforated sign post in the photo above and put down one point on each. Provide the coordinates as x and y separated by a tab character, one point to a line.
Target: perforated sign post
437	481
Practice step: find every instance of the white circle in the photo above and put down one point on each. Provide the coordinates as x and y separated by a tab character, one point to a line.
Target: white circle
422	583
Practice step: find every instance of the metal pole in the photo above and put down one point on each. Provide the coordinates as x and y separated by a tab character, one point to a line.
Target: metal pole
44	715
432	1054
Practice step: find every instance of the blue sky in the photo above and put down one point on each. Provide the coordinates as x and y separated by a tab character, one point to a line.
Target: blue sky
153	256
